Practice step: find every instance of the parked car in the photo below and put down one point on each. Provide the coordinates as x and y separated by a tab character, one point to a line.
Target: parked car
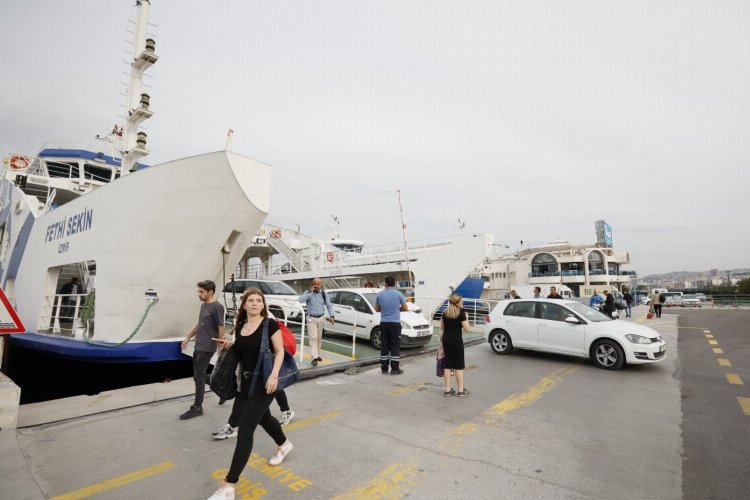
690	300
702	297
672	299
572	328
476	310
645	300
283	300
356	306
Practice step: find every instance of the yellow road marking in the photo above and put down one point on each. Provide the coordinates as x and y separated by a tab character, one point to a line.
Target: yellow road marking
391	482
718	350
744	404
117	481
709	336
706	331
305	422
395	480
734	379
407	388
724	362
640	320
713	342
531	394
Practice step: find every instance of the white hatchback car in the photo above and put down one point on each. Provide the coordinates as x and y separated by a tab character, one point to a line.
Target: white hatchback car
569	327
356	306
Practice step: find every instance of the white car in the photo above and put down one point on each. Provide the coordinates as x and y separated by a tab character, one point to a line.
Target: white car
690	300
569	327
282	300
645	300
357	306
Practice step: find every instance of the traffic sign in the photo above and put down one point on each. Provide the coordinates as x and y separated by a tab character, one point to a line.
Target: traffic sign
9	320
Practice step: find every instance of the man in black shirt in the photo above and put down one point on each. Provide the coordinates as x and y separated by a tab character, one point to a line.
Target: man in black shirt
553	293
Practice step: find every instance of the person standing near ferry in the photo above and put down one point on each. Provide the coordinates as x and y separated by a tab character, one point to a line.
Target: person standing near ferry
210	326
389	303
453	323
317	302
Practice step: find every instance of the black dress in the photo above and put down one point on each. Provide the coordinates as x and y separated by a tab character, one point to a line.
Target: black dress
453	342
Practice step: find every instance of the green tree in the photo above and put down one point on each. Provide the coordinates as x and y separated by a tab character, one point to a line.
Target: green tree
744	286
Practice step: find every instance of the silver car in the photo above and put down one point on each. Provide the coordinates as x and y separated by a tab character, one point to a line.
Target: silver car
690	300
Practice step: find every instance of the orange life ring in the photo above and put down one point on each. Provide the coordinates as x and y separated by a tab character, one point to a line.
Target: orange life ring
19	162
275	233
329	256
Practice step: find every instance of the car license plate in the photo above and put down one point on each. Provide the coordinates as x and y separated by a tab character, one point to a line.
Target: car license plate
663	348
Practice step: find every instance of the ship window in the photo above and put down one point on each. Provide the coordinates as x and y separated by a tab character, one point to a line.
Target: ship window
61	169
96	173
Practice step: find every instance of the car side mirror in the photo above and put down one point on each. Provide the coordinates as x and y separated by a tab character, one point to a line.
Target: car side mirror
573	320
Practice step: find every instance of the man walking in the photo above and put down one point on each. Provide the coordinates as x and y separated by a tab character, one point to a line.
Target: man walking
628	298
595	300
210	326
537	292
317	302
553	293
656	303
389	303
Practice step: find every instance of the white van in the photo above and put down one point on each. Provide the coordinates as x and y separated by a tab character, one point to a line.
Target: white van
672	299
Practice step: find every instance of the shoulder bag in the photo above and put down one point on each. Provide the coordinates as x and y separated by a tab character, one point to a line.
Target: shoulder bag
223	380
288	374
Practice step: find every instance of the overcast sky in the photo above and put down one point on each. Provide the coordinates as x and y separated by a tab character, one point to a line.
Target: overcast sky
528	119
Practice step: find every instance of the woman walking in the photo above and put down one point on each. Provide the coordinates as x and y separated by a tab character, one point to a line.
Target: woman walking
453	323
250	325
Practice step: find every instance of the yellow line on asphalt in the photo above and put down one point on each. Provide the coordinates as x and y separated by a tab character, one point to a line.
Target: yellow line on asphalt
404	389
709	336
718	350
734	379
306	422
744	404
117	481
724	362
706	331
391	482
532	394
713	342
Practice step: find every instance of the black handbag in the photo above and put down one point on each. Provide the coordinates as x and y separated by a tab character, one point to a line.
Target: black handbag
288	374
223	380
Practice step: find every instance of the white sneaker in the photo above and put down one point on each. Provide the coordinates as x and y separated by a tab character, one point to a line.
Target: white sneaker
225	432
286	417
281	453
225	492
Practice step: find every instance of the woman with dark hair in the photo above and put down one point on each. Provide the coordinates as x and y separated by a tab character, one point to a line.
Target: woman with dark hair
250	322
453	323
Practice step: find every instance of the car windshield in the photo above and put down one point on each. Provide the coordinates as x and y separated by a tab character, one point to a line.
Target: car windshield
587	312
689	296
276	288
371	297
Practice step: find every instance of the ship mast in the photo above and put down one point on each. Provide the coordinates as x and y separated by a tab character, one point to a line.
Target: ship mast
138	102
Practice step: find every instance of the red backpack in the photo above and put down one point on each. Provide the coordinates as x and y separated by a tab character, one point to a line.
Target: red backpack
290	343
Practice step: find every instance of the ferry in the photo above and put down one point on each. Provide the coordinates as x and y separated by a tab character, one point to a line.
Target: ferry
100	254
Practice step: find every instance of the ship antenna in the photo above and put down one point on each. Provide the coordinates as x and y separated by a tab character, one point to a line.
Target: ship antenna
138	102
403	233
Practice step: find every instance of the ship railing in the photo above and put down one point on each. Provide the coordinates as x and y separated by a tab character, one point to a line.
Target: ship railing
61	314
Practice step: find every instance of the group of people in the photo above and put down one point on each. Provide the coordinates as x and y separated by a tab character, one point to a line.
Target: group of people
538	293
251	406
607	303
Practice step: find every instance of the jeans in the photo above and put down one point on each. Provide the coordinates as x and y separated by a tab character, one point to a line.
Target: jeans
390	345
201	360
239	405
254	411
629	310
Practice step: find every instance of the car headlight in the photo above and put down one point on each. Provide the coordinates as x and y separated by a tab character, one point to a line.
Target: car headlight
638	339
404	326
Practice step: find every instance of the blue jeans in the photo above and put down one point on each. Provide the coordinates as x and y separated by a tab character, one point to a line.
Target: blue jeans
628	311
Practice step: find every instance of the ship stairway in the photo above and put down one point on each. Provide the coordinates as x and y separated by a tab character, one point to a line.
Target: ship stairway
339	283
297	262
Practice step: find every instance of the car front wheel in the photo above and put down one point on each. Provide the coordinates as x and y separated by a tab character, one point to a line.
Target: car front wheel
500	342
608	355
375	338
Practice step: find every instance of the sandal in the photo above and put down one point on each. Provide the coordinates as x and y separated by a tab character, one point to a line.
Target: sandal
452	392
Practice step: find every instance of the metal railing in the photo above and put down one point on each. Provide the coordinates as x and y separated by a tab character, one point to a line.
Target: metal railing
61	313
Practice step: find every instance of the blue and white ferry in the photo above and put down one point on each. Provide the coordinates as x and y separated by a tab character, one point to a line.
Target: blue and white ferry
100	254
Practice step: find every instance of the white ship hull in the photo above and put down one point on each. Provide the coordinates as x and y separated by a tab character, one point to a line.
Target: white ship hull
163	228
